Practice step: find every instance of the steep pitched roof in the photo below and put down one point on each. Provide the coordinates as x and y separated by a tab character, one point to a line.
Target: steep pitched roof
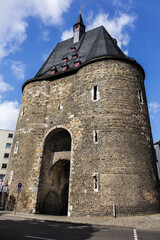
93	44
79	20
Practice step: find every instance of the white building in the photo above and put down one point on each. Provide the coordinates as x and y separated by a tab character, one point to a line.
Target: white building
6	139
157	150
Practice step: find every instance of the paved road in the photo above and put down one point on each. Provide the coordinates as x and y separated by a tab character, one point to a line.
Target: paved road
18	229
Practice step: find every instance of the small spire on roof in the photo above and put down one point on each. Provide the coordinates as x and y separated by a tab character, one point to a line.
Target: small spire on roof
78	29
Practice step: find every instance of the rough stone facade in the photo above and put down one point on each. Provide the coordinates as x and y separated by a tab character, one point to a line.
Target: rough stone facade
115	167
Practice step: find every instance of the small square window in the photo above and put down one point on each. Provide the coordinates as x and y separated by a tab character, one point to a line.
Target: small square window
10	135
4	165
8	145
6	155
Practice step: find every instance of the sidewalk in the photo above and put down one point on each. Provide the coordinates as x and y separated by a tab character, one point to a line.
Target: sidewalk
138	222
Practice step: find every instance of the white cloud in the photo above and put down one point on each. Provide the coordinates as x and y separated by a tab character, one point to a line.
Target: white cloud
18	69
154	107
8	114
117	26
8	109
13	19
45	36
67	34
4	87
122	4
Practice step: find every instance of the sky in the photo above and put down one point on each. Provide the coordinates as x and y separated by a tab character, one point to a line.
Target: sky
30	30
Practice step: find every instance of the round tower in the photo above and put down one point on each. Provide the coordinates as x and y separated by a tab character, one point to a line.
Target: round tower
83	141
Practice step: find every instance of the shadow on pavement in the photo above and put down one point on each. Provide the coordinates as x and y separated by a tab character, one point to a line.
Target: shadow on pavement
18	229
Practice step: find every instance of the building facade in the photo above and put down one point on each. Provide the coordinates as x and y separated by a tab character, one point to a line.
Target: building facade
83	140
157	150
6	139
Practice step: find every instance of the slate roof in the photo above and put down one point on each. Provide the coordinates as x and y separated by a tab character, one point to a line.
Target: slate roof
93	45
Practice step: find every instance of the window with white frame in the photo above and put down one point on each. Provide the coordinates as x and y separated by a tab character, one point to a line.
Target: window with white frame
95	93
95	136
140	96
10	135
8	145
95	182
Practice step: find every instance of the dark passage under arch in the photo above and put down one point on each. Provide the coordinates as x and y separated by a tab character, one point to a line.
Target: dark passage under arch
55	171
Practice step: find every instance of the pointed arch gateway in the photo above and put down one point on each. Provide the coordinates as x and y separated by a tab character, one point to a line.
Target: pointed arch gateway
53	188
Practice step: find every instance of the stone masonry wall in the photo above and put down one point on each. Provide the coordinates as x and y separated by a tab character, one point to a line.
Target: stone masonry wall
122	159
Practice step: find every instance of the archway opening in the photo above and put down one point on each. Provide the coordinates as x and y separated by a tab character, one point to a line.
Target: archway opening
53	189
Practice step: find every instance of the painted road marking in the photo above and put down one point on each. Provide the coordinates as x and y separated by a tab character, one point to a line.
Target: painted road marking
33	223
53	225
135	234
40	238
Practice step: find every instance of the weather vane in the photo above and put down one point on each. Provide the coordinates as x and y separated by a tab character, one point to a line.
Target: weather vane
81	7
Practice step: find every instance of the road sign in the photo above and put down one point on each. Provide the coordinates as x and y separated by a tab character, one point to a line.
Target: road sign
19	185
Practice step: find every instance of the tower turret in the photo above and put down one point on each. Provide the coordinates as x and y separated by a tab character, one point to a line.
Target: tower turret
78	29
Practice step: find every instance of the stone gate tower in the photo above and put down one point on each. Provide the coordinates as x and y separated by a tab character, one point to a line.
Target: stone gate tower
83	140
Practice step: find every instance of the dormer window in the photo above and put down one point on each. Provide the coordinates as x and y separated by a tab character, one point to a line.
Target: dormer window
76	27
53	70
77	64
64	66
73	48
65	59
74	56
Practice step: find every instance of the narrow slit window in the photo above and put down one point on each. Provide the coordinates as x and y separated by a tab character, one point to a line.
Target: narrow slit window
140	96
95	93
60	106
95	183
95	136
22	113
